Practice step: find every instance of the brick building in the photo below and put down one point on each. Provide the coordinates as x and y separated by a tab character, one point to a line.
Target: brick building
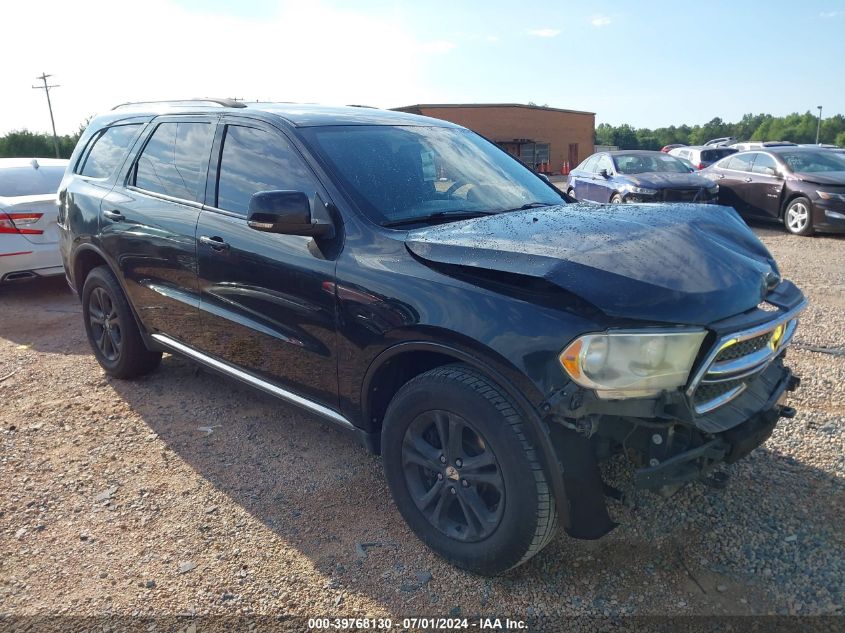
542	138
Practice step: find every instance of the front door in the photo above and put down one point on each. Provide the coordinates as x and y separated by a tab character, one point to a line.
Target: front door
149	221
267	300
765	191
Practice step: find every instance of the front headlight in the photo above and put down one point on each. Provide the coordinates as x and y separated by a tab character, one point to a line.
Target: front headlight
645	191
829	195
632	364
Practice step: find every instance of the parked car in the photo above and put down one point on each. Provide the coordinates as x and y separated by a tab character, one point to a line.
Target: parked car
29	238
638	176
491	341
722	141
666	148
749	145
702	156
800	186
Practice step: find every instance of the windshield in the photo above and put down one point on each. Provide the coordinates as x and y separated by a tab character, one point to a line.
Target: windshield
27	181
397	173
643	163
813	162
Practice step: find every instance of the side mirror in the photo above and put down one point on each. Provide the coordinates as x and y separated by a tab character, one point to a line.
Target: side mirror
285	212
546	178
604	173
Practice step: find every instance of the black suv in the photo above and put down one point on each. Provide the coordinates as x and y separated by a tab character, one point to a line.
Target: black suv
412	283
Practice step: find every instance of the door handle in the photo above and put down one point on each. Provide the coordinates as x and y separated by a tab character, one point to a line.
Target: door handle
747	179
115	216
721	176
216	243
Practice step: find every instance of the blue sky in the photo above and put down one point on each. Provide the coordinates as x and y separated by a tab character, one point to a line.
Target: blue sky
647	63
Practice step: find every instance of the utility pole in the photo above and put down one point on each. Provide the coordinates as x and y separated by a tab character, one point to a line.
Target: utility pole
46	89
819	125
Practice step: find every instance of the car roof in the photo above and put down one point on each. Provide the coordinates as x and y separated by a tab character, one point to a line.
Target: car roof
12	163
295	114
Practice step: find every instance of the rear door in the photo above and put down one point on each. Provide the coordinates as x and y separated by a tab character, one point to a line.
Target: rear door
267	300
148	223
766	189
581	178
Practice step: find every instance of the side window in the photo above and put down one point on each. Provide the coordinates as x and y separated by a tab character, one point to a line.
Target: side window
765	164
255	160
684	153
604	162
740	162
107	150
174	160
588	164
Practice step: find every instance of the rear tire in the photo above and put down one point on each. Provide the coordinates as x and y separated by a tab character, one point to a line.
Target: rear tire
798	216
111	327
463	473
571	193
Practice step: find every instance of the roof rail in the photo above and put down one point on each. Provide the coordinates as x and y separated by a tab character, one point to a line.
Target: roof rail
223	103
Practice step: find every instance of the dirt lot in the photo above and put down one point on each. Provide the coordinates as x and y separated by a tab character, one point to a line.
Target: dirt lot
187	493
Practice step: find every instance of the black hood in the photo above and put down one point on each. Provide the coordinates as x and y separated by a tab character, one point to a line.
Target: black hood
662	179
823	178
679	263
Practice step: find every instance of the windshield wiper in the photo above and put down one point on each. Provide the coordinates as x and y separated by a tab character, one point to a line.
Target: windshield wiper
531	205
437	216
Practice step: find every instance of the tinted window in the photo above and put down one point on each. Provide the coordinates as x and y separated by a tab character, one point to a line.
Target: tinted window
765	164
28	181
712	155
254	160
174	160
740	162
107	150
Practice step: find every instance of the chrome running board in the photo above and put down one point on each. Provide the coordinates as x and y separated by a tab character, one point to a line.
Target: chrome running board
226	368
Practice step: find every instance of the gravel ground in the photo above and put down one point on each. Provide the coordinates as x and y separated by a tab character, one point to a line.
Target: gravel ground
185	493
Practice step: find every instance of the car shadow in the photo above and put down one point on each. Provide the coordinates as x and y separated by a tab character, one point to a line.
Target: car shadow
325	496
42	314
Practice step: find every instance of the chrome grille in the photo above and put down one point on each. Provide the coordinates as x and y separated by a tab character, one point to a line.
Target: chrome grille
744	348
737	358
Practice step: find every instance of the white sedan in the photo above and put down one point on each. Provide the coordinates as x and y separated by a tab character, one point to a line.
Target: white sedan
29	237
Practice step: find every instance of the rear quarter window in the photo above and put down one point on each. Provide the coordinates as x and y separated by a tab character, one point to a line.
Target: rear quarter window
106	151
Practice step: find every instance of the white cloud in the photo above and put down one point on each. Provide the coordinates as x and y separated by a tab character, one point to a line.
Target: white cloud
600	20
544	32
331	56
831	14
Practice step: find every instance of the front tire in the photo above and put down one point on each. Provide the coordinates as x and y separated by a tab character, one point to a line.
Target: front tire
111	327
798	216
463	473
616	199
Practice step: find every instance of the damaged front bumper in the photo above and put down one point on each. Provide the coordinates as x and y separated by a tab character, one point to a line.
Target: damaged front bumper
728	446
669	440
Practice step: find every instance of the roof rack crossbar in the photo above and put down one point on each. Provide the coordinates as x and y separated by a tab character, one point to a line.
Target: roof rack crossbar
223	103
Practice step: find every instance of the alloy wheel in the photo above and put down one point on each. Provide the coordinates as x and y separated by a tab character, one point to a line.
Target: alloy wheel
105	325
453	476
797	217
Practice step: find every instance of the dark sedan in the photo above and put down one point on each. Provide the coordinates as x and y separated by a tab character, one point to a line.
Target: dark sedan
638	176
802	187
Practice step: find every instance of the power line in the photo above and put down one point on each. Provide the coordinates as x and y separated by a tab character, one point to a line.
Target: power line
46	89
